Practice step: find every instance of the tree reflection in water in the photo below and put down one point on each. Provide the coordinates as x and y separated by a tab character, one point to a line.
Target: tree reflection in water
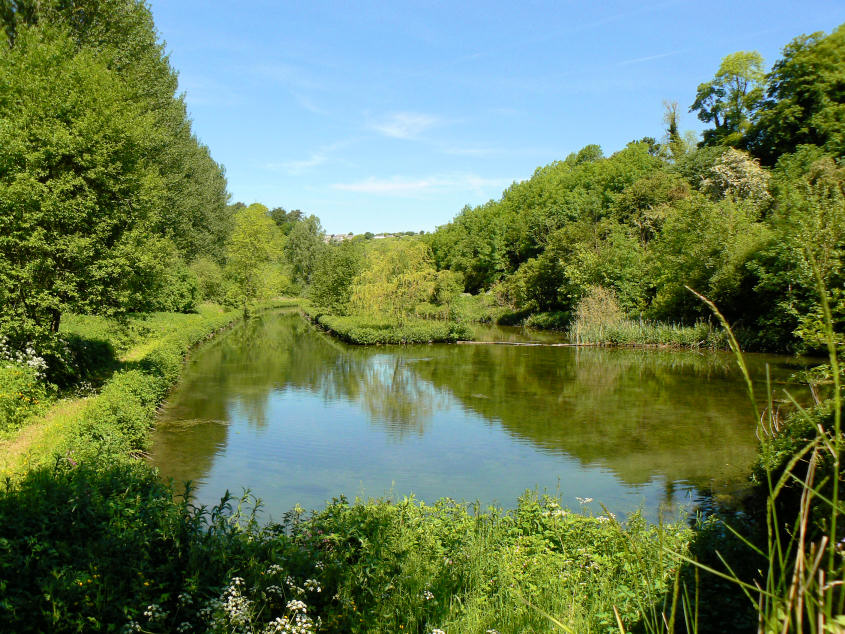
680	418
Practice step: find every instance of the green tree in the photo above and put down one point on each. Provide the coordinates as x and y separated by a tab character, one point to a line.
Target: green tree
304	246
253	255
286	220
805	101
334	273
730	98
398	277
76	191
121	36
705	245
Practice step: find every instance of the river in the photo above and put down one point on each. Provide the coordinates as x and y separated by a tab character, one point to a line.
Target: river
279	408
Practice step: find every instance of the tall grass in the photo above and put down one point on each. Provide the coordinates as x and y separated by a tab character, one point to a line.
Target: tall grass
799	587
599	320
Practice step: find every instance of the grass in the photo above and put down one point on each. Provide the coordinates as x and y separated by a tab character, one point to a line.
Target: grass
646	333
784	556
600	321
155	340
128	553
91	540
363	330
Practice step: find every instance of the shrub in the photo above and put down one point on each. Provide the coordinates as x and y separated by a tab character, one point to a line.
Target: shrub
558	320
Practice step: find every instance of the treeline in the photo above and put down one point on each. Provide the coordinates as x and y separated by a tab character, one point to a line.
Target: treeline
746	217
109	203
106	194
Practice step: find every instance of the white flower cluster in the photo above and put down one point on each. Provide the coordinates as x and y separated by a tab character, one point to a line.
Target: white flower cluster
427	595
234	611
553	509
155	613
27	357
297	622
235	605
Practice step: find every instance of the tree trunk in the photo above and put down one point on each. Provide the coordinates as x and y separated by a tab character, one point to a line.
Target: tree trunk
55	319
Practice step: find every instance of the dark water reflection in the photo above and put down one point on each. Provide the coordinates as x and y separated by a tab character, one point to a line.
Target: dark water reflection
286	411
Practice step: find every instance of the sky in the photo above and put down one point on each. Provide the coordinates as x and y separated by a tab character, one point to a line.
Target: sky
392	116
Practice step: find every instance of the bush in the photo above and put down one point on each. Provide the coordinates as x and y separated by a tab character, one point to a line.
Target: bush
599	320
90	547
558	320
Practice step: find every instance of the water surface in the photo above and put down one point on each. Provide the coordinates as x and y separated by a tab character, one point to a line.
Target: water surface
298	418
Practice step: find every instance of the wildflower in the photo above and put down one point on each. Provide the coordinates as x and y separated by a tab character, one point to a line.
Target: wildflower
427	595
437	631
296	606
132	626
583	500
154	612
313	585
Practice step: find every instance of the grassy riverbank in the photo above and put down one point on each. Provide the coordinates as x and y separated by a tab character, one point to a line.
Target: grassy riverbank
91	540
126	552
124	370
362	330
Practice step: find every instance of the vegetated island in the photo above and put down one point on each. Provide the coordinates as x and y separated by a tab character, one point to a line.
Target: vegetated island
120	252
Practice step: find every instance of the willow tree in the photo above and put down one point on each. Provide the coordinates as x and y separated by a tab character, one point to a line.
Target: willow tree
398	277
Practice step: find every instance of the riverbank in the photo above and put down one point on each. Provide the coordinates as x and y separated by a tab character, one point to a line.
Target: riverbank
360	330
132	365
93	540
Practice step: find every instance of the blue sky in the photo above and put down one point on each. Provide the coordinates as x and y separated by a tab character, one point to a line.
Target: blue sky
389	116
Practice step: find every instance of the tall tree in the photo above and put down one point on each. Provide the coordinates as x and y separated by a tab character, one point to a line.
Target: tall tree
304	246
121	35
76	193
805	102
253	248
729	99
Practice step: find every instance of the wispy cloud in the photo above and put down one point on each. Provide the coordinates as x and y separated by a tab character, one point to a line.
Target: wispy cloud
320	156
308	104
640	60
399	186
405	125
